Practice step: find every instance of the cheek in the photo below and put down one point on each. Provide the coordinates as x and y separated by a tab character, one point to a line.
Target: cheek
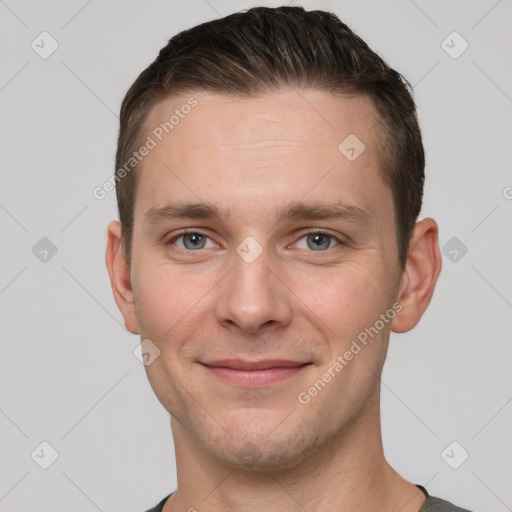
168	305
163	299
345	300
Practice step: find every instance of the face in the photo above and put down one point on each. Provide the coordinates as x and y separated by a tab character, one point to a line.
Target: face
261	252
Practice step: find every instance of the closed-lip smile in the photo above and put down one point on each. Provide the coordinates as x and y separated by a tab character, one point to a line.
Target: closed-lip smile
254	374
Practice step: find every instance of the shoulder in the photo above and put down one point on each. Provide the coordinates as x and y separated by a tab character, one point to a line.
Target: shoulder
160	506
433	504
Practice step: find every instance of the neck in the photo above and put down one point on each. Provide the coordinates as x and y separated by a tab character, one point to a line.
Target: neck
347	473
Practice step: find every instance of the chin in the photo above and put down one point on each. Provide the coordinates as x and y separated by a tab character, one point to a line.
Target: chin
269	442
276	454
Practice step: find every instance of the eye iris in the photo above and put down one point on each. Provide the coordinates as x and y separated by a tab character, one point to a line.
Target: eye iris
194	241
319	241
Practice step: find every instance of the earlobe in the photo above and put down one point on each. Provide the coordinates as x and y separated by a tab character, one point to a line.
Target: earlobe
419	277
119	272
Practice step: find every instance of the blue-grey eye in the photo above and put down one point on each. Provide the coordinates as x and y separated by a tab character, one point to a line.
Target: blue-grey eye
194	241
317	242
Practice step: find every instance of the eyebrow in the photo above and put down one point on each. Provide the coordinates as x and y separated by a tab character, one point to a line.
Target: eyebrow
292	211
185	211
322	211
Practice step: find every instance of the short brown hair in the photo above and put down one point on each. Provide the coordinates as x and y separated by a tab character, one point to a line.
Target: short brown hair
263	49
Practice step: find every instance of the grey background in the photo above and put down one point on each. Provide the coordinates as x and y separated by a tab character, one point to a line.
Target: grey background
67	370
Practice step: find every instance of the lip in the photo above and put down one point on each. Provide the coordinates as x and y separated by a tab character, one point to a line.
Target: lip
254	374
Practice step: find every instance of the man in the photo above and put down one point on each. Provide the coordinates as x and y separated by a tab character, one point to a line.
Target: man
269	178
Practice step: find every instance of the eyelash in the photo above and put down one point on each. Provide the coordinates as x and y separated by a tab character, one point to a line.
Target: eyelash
312	232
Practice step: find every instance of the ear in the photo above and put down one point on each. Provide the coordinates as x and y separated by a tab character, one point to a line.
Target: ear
419	277
119	272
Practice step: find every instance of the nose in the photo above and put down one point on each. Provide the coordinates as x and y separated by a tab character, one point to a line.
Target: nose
253	297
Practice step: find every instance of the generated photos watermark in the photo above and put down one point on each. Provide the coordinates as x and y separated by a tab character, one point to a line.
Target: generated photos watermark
342	360
157	135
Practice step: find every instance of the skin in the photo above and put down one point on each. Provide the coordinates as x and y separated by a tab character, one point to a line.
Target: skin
241	448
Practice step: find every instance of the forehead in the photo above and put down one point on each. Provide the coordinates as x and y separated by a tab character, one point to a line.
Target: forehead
272	148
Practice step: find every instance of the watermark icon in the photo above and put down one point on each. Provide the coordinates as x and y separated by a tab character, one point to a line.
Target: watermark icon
249	249
250	454
151	142
351	147
44	45
342	360
507	193
454	455
146	352
454	45
454	249
44	249
44	455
